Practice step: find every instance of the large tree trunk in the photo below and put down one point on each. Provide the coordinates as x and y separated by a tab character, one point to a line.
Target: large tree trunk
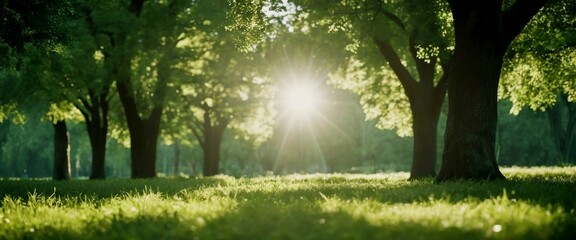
61	151
483	32
469	145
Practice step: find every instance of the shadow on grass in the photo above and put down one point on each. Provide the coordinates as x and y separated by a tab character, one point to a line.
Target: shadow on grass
256	221
543	192
101	189
271	213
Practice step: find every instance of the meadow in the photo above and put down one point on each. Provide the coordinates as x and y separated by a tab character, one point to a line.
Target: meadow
534	203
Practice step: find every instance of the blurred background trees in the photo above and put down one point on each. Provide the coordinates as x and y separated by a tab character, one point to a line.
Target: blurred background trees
148	88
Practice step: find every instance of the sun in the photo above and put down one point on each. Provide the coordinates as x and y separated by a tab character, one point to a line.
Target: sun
301	100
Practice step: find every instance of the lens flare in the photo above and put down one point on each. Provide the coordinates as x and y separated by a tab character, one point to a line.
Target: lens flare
301	100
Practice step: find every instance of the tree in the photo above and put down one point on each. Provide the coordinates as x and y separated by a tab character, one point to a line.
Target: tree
35	21
483	31
30	26
538	72
142	38
89	88
225	92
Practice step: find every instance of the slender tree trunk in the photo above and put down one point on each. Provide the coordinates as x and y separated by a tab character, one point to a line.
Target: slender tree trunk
61	151
176	158
563	136
557	130
570	133
3	138
212	154
469	142
212	142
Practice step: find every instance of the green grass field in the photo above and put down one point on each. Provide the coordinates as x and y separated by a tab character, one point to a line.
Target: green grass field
535	203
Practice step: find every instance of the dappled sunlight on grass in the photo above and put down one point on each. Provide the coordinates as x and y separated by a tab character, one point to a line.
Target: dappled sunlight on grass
149	216
499	217
534	203
540	173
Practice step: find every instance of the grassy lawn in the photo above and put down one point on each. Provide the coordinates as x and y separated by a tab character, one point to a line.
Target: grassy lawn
534	203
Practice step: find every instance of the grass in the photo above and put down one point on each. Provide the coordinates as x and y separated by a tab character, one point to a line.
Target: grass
534	203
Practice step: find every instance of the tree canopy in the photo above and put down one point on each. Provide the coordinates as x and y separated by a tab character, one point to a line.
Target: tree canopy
299	85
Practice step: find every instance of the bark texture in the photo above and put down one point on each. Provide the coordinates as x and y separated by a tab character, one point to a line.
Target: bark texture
483	32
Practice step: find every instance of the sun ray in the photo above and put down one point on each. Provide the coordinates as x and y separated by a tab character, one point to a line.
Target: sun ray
317	146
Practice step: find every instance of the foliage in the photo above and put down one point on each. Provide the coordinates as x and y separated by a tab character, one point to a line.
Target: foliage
34	21
27	150
535	203
25	25
540	63
356	26
226	84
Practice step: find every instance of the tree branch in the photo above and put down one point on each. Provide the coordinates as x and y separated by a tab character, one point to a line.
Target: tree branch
517	17
408	83
197	134
395	19
425	69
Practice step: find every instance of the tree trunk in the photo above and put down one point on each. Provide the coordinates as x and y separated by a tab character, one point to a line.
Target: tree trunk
176	158
213	141
97	125
213	133
469	142
143	152
98	144
143	132
570	132
425	103
563	136
558	133
425	127
61	151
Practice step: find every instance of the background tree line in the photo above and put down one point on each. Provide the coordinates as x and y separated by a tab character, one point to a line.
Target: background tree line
192	87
